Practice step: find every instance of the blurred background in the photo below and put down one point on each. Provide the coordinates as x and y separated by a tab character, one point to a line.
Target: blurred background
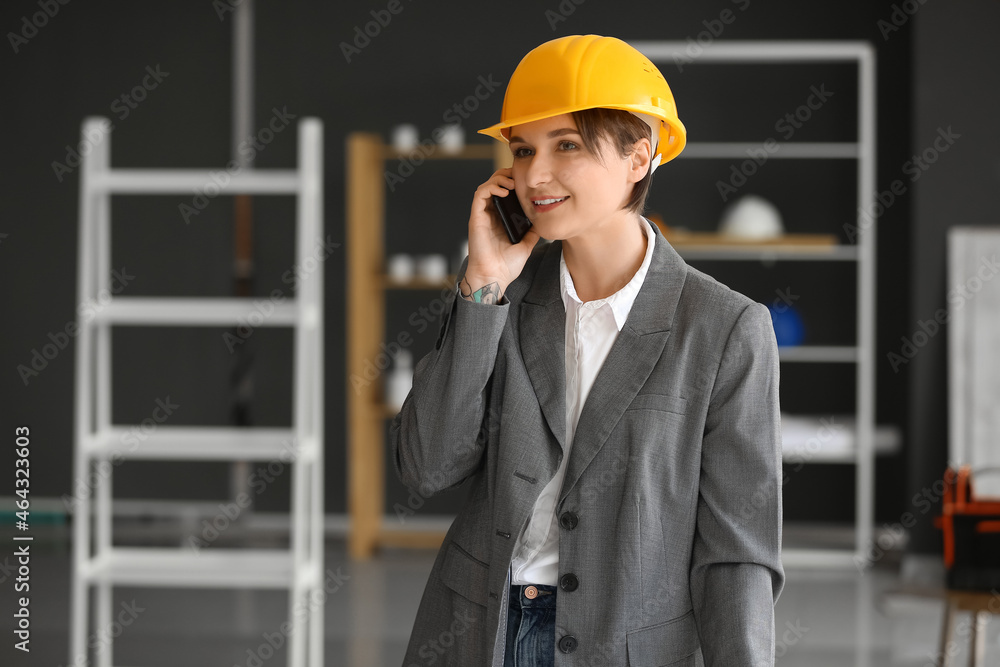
186	87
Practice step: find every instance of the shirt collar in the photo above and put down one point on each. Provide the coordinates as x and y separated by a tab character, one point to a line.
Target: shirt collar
621	301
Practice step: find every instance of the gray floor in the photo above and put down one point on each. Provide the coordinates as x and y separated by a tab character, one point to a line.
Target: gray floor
823	619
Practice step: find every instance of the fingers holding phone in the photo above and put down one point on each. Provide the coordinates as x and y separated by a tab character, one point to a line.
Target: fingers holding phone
515	222
494	255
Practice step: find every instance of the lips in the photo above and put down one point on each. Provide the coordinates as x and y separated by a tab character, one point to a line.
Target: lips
543	204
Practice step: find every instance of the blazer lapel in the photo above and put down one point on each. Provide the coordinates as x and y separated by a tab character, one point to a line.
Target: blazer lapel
543	341
633	355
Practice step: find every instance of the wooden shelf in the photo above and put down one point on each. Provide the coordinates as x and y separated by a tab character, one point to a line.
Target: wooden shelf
418	283
717	246
367	285
797	242
435	152
412	539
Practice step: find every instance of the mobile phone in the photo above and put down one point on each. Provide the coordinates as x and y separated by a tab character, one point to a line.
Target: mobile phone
512	215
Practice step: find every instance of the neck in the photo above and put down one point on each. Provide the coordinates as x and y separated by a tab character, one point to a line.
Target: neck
605	260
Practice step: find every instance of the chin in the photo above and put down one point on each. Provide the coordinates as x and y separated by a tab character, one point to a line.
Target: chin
552	231
547	232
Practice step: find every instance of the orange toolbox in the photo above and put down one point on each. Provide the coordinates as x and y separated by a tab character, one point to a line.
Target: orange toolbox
971	529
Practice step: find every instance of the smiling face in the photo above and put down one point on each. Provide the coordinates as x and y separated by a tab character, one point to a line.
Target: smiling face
564	190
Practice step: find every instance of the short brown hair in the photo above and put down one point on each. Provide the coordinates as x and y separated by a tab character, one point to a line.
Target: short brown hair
619	129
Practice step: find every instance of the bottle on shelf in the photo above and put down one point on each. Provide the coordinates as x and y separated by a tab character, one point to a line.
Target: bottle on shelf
400	380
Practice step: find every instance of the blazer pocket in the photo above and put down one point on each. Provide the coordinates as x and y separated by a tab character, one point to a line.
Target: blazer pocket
664	643
466	575
662	402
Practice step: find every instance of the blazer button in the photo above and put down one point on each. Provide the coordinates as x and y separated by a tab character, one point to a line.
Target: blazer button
569	582
568	520
567	644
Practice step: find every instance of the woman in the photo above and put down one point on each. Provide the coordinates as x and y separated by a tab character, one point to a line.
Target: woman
614	410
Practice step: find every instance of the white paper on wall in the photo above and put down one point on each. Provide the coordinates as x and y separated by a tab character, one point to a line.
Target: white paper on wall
973	298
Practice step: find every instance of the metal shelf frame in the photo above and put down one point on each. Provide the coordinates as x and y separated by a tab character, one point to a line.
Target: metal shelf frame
98	443
862	252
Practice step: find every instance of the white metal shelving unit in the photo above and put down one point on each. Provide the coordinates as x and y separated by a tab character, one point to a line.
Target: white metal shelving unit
862	253
99	444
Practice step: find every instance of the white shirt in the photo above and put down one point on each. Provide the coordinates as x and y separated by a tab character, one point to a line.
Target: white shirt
591	329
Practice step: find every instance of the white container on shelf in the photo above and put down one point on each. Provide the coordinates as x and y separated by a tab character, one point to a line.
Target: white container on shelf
400	380
401	266
405	137
432	267
452	138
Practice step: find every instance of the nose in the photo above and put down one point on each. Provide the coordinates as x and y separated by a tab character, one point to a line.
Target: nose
539	170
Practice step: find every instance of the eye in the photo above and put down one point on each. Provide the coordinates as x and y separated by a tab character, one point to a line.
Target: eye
571	145
517	152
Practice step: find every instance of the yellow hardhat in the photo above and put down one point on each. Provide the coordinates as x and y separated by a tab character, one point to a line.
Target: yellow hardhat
586	72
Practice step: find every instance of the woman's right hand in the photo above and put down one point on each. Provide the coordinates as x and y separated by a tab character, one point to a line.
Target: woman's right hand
492	257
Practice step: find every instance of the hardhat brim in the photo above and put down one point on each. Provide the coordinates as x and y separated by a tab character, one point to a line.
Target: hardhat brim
673	134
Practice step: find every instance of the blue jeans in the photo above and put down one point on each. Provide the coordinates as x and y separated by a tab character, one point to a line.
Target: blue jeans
531	627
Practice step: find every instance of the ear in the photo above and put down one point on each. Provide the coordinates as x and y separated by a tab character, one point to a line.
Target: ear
639	160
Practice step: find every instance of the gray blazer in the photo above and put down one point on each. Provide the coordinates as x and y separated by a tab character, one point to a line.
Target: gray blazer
670	512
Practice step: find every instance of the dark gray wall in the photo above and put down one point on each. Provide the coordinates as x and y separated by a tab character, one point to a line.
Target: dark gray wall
956	86
428	58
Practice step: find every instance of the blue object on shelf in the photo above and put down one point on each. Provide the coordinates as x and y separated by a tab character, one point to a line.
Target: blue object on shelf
788	327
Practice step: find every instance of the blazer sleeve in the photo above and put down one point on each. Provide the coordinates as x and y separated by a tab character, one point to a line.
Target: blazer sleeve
437	438
736	573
